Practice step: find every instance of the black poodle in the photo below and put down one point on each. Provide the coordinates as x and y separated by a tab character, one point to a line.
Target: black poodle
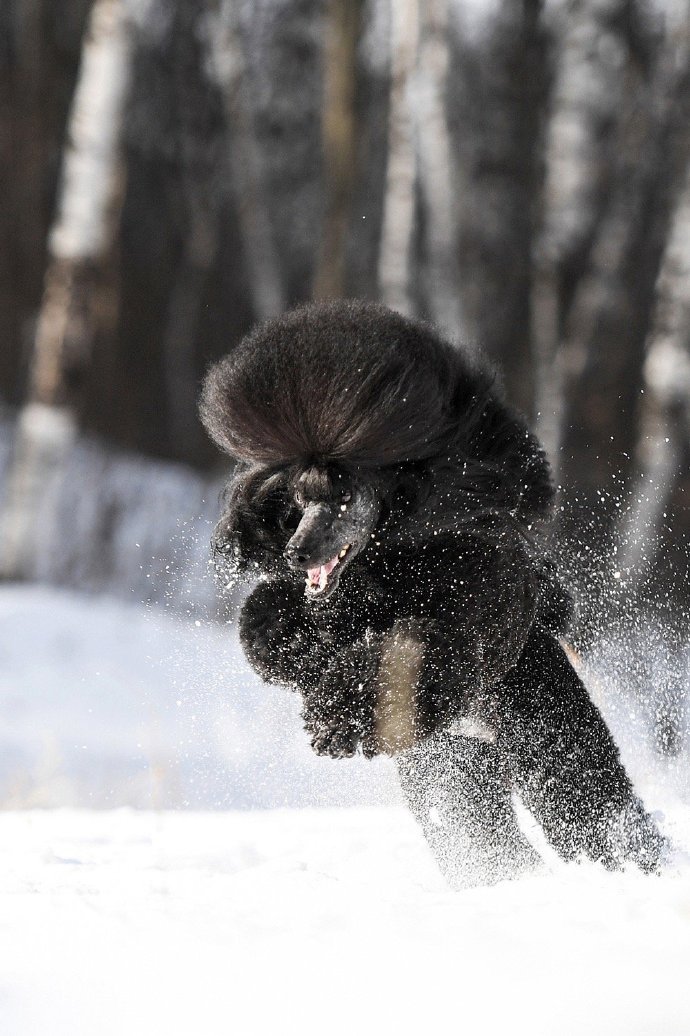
394	508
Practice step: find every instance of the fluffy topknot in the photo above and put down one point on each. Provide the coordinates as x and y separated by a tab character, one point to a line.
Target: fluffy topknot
345	382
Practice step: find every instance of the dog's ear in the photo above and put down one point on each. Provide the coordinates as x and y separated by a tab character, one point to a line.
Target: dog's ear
252	530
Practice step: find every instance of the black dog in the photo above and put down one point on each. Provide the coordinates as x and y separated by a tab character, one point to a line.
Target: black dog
392	504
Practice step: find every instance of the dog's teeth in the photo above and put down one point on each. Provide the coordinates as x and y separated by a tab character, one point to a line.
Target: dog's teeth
343	552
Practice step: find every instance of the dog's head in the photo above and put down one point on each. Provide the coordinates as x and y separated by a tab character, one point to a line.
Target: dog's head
309	523
344	417
336	516
323	408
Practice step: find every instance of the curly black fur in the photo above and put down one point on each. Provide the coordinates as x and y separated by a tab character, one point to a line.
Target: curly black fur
364	436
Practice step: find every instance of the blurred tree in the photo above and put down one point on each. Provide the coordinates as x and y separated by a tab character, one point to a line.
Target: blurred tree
40	47
606	325
80	238
515	170
340	134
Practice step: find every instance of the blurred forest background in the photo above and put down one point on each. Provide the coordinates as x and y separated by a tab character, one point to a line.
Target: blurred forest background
174	170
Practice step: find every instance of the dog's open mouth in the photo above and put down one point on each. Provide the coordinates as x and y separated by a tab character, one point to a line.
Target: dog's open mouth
324	578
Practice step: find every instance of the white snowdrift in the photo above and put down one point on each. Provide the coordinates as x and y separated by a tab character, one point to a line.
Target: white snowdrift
105	704
318	921
244	921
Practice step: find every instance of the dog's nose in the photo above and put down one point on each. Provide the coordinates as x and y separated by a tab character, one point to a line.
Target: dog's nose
296	554
307	542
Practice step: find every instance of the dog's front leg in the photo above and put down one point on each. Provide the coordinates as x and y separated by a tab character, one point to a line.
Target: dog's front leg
366	697
338	712
280	639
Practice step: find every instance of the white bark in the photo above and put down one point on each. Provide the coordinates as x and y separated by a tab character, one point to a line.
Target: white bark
81	230
81	235
399	202
43	438
435	169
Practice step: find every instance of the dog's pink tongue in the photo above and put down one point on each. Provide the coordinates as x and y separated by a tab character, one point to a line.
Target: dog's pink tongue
319	576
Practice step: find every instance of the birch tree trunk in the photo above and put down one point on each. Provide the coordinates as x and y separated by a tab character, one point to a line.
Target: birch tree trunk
442	274
401	173
80	238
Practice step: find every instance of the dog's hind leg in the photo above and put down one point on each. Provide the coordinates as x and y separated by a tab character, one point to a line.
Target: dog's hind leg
459	790
565	765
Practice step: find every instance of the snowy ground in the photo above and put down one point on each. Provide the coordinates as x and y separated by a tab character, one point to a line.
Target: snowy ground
237	917
312	921
106	704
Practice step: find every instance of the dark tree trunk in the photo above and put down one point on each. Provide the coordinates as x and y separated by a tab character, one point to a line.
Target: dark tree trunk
340	135
607	325
40	44
501	91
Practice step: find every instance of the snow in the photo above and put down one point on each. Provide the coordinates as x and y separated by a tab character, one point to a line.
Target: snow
308	921
108	704
256	888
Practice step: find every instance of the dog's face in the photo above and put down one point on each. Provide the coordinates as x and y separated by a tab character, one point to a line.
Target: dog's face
334	517
310	523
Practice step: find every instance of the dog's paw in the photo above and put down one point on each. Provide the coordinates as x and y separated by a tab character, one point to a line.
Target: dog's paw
334	740
334	729
339	712
273	632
